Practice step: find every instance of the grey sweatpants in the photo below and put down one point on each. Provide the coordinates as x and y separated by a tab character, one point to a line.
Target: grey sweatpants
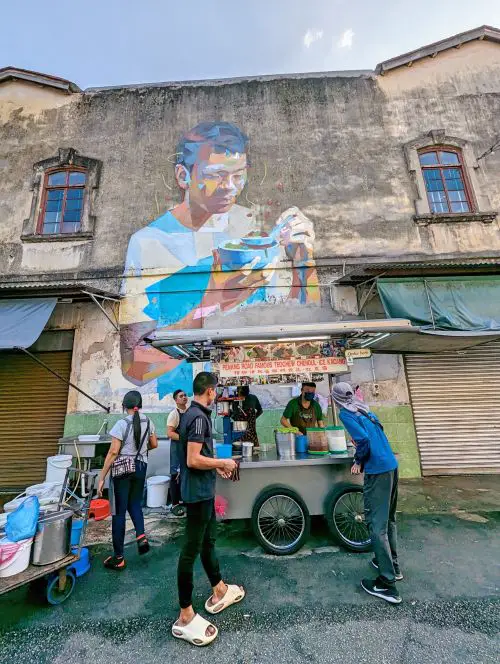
380	493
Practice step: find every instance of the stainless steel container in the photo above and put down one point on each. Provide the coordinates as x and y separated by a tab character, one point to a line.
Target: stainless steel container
53	538
223	408
285	445
240	425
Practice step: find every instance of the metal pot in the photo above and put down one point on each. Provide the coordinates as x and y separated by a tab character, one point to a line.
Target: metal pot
53	538
285	445
240	426
223	407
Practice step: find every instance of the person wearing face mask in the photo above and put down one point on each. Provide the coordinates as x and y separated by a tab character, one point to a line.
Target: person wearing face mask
303	412
198	475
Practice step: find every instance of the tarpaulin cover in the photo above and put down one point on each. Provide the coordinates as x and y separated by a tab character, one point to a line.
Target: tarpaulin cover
22	321
444	303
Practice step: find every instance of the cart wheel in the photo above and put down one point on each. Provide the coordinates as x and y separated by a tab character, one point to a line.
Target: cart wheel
345	516
280	521
54	594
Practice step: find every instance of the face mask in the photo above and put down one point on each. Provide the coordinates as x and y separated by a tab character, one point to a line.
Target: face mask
309	396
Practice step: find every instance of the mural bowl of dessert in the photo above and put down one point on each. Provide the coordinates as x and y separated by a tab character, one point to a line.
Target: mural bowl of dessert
257	239
236	253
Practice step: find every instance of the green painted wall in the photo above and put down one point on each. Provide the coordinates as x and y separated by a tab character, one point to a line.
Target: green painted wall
397	421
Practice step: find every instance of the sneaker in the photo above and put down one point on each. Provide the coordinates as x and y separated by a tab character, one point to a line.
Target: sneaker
114	562
143	545
398	574
379	588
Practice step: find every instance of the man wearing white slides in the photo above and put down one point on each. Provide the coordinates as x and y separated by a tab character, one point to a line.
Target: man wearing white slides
198	475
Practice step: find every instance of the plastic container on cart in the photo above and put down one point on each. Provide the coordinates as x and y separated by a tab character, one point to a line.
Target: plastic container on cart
57	466
16	556
317	441
301	444
76	532
223	451
336	440
157	487
82	565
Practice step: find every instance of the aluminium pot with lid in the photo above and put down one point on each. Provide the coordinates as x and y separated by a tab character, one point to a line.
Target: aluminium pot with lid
53	537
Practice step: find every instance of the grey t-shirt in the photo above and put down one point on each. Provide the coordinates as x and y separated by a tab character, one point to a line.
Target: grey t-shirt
129	448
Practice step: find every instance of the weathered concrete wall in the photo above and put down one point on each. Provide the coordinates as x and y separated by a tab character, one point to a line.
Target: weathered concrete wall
332	146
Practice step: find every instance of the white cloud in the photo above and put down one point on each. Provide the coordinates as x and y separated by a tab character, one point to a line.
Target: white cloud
346	39
312	36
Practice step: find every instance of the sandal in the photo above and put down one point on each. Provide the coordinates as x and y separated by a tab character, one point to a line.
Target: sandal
234	594
143	545
113	562
195	632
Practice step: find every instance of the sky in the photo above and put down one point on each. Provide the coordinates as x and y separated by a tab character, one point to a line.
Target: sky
119	42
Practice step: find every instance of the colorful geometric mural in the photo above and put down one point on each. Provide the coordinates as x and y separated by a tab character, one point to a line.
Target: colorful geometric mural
208	255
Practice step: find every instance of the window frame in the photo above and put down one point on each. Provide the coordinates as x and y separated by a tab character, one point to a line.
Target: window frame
460	166
46	188
474	177
65	159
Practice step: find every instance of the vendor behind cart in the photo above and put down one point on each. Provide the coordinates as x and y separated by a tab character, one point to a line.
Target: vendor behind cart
248	411
303	412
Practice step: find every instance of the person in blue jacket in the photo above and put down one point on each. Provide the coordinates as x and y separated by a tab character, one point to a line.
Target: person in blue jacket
376	459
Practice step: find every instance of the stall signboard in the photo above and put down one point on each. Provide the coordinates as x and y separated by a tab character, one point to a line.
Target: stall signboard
283	363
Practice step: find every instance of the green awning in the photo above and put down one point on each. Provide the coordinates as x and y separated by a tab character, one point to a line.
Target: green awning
444	303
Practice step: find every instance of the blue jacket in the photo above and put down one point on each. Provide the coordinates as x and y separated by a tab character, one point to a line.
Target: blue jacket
373	450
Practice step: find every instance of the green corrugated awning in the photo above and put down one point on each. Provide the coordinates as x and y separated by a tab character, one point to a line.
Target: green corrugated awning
444	303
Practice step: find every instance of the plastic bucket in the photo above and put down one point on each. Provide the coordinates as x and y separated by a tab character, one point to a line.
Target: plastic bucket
223	451
82	565
76	532
157	491
18	562
301	444
336	440
57	466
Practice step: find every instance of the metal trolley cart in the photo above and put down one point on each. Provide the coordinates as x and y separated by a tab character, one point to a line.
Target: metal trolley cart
280	496
56	581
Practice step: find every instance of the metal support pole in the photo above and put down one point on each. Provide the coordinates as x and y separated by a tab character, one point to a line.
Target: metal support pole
64	380
113	323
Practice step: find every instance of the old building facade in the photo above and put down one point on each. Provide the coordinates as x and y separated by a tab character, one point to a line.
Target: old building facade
120	214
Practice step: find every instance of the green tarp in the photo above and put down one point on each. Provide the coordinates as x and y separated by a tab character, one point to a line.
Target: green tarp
444	303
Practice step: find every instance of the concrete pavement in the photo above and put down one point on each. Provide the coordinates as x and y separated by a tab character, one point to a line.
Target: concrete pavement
305	609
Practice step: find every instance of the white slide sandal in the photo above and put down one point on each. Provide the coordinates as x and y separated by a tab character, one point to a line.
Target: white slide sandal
195	632
234	594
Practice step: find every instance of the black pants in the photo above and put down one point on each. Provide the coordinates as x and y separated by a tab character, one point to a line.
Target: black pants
201	527
380	494
128	493
175	489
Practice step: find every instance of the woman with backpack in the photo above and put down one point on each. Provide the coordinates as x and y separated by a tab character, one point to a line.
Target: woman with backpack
131	438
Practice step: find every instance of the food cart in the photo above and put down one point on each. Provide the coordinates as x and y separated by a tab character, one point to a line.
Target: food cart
281	495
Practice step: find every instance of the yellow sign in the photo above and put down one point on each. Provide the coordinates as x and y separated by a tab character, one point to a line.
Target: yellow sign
357	353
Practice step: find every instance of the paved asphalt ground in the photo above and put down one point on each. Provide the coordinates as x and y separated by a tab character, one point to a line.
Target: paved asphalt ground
305	609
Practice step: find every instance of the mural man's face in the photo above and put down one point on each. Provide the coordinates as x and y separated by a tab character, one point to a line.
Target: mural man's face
216	180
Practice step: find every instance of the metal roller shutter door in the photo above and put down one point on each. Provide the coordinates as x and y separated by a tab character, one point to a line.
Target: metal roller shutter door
456	406
33	406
